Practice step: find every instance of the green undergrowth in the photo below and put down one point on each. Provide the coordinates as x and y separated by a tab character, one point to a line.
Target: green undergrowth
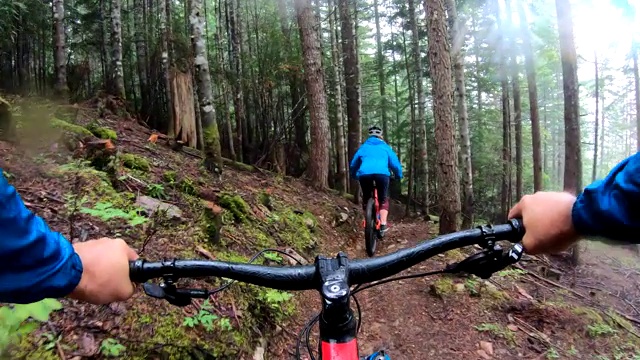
102	132
69	127
249	222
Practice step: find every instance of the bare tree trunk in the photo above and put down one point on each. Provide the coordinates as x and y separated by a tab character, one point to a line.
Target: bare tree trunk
636	77
381	74
573	162
594	170
314	80
506	116
456	30
442	89
59	55
211	135
141	52
533	99
339	138
422	175
517	105
166	73
351	75
235	28
116	50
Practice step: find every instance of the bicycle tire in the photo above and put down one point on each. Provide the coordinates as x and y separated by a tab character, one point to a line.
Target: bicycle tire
370	231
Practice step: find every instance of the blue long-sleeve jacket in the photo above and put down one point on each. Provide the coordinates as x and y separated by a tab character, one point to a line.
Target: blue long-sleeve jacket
375	157
35	262
611	207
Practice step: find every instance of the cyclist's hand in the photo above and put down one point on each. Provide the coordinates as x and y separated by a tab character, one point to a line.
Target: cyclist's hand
105	276
547	220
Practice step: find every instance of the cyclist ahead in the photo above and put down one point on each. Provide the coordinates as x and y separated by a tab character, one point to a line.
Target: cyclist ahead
370	164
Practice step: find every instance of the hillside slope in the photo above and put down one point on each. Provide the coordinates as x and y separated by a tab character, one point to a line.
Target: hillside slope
539	310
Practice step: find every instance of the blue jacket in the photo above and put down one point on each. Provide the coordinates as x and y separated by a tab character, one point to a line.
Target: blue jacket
35	262
375	157
611	207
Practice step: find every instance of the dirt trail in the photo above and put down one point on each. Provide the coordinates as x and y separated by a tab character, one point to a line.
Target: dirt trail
512	316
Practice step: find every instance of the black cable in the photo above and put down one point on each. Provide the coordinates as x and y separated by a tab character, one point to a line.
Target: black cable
223	287
412	276
305	333
359	310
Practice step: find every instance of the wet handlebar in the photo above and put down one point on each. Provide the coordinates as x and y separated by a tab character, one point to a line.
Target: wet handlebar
358	271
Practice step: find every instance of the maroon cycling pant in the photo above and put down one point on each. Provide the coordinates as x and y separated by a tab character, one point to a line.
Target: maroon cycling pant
380	183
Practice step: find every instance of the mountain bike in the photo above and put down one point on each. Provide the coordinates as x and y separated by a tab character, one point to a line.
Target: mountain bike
333	278
371	223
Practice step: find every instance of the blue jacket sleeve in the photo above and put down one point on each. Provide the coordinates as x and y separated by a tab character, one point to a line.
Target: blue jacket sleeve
611	207
394	163
355	164
37	262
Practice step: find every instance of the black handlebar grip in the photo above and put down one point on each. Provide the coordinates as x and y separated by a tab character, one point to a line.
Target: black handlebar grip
518	227
136	271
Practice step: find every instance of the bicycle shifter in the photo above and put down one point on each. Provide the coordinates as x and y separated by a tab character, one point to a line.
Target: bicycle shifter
168	291
487	262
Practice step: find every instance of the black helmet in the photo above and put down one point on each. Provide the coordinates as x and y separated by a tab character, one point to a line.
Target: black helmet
375	131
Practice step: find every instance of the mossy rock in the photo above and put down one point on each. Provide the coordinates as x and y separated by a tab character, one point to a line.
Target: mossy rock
102	132
72	128
135	162
235	204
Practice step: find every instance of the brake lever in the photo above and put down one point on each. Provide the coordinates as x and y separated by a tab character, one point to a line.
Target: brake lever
487	262
175	296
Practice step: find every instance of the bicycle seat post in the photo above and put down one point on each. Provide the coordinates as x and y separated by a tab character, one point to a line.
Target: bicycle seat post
337	322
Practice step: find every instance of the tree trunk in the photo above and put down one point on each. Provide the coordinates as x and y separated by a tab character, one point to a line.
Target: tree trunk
314	80
339	138
59	55
530	67
572	160
381	74
442	89
636	77
517	105
166	73
573	163
456	30
141	53
351	76
421	175
235	29
506	116
213	154
594	170
116	50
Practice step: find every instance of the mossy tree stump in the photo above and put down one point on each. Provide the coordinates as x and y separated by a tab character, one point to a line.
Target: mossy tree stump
7	124
213	222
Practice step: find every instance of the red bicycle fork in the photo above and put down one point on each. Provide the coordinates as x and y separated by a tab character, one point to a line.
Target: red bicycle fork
339	351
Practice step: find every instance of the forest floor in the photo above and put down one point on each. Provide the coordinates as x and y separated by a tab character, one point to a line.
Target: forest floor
542	309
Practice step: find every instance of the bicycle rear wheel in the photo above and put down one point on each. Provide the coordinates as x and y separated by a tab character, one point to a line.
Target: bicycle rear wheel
370	231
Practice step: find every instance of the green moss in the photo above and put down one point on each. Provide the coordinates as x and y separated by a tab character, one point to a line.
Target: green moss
135	162
234	204
187	186
443	286
31	348
102	132
72	128
96	186
169	177
295	229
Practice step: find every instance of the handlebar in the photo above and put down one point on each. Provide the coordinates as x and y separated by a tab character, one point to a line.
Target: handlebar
358	271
